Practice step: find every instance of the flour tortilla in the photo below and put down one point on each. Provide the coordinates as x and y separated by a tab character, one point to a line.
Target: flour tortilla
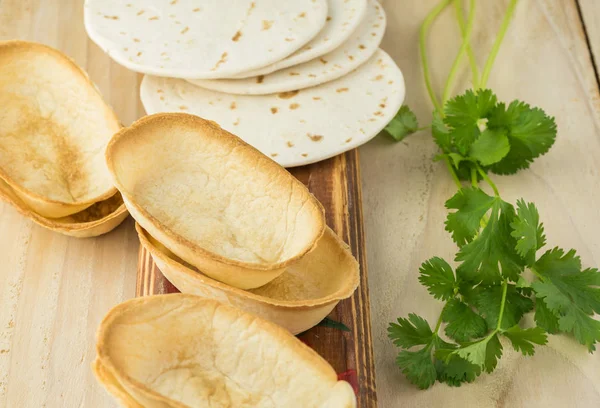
207	39
295	128
185	351
54	127
213	200
343	19
350	55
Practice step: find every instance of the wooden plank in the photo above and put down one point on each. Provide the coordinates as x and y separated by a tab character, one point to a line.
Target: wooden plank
336	184
544	60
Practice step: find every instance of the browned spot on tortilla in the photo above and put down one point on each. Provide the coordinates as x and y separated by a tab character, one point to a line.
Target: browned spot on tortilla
301	15
160	91
290	144
197	9
183	107
139	13
378	78
294	106
185	30
323	60
361	131
162	98
237	36
314	138
328	18
362	47
378	113
312	76
289	39
376	25
162	54
288	95
173	2
274	110
274	154
304	154
316	98
260	79
219	62
348	140
337	65
308	47
390	82
129	4
382	105
372	119
373	34
266	24
125	49
340	90
350	57
252	5
136	40
302	121
233	105
153	18
139	53
111	17
294	73
237	122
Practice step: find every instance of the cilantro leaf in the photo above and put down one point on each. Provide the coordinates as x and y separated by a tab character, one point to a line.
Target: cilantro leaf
471	205
456	371
523	340
570	294
489	298
418	367
437	276
463	323
544	317
492	255
528	231
441	133
483	353
410	332
492	354
464	114
530	132
403	124
334	324
490	147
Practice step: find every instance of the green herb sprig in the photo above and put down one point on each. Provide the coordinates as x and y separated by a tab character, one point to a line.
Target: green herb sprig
488	293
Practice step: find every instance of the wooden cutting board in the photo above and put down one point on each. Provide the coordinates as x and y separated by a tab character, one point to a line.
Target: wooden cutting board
336	184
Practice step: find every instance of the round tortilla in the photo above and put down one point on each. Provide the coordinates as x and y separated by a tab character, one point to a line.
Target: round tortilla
294	128
343	19
208	39
349	56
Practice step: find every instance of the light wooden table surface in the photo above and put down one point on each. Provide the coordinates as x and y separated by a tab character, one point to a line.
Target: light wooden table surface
56	289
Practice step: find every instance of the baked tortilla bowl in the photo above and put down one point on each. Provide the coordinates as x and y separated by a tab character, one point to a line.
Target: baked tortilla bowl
98	219
213	200
54	127
181	350
296	300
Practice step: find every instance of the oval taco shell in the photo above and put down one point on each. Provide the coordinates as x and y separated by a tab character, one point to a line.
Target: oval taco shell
212	199
297	299
53	130
182	350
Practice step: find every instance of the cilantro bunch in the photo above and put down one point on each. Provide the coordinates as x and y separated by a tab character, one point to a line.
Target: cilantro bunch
503	269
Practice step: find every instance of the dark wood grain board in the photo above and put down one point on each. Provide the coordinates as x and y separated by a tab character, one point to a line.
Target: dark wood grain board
336	184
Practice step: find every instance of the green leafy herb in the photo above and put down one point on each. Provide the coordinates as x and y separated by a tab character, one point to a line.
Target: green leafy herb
403	124
334	324
487	293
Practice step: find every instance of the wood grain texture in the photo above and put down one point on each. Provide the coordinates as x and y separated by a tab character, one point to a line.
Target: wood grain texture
545	61
336	184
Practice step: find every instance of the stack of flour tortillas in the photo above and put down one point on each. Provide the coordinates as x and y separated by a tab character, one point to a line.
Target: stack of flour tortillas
299	80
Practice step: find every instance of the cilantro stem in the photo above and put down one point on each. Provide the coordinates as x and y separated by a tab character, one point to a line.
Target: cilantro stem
496	47
422	128
439	321
470	54
488	180
433	14
452	172
474	180
502	303
463	47
536	273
